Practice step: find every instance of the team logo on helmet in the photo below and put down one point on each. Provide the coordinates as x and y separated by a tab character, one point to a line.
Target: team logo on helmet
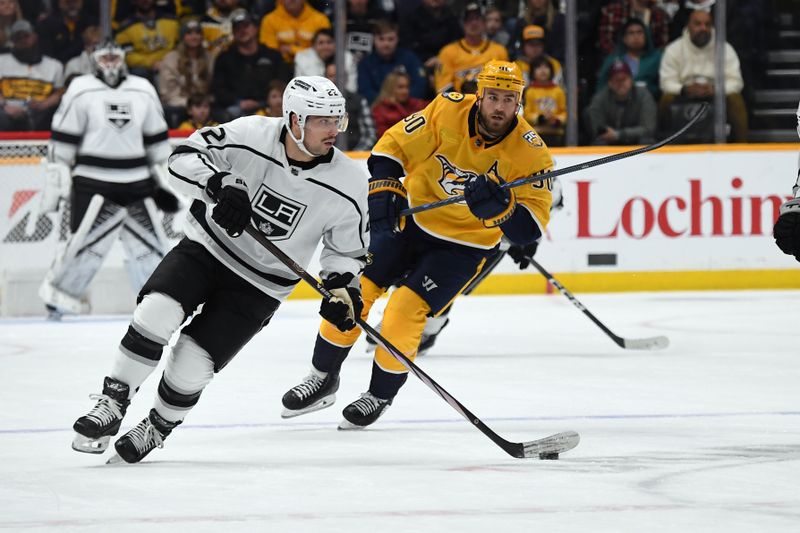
454	179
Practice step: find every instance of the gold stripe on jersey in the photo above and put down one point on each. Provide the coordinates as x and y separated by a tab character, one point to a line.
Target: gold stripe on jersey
440	150
25	89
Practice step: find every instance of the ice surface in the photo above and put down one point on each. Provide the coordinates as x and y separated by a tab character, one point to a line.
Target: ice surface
703	436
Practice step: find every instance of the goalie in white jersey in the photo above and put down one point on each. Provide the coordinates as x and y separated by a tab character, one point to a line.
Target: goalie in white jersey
285	176
110	133
787	227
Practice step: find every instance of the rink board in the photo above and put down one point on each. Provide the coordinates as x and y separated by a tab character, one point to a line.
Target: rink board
684	217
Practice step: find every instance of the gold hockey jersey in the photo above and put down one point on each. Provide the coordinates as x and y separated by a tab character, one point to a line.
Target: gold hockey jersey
440	150
460	62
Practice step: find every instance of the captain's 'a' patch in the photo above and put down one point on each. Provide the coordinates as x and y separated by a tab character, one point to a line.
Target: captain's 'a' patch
276	216
119	114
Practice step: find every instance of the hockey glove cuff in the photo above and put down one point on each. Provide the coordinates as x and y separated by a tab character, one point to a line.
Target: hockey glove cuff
522	254
346	305
166	201
387	198
787	228
488	201
233	209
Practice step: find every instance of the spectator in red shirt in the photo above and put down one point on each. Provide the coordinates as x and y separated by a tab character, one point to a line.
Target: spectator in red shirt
615	15
394	103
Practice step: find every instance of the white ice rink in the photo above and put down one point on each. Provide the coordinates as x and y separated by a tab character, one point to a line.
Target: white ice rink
703	436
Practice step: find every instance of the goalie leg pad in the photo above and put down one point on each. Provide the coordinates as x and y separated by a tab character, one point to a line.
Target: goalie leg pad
73	271
189	369
144	241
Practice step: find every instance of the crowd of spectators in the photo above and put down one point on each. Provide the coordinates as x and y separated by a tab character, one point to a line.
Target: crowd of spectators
216	60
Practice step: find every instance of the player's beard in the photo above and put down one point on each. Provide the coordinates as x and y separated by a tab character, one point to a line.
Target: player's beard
495	124
321	148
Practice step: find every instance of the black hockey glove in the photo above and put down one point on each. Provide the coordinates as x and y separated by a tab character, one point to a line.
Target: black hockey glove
488	201
165	200
346	304
522	254
787	228
387	197
233	209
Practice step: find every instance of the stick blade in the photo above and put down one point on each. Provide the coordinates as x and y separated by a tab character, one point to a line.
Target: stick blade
554	444
648	343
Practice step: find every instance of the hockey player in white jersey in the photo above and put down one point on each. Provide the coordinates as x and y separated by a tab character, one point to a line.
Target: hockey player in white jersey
109	133
787	227
285	176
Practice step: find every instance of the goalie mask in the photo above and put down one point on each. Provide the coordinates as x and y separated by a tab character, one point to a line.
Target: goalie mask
108	63
307	96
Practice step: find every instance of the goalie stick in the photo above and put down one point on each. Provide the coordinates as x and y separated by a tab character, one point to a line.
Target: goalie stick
535	178
648	343
545	448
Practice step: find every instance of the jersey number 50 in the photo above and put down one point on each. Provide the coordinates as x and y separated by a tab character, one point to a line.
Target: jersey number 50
413	122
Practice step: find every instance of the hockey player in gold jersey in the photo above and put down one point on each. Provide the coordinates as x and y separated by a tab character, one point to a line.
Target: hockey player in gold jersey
458	145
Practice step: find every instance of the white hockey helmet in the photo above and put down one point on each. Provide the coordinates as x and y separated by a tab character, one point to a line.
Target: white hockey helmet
108	63
307	96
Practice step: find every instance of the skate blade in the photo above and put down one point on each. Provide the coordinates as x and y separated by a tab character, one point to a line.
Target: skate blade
346	425
327	401
85	444
116	460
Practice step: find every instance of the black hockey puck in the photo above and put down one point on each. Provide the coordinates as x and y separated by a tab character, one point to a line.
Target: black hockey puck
548	456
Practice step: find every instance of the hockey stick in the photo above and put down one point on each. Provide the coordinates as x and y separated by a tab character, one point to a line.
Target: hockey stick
544	448
648	343
535	178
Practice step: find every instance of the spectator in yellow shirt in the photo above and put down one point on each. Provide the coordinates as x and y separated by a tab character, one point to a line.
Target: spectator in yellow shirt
532	49
545	103
148	36
290	27
462	60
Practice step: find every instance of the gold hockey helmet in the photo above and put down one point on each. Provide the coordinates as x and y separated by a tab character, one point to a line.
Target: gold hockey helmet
501	75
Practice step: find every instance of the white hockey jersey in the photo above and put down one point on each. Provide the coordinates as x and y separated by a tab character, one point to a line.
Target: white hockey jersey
110	134
294	206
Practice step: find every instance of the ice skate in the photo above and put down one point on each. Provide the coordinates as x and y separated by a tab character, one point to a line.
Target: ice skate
317	391
94	430
148	434
363	412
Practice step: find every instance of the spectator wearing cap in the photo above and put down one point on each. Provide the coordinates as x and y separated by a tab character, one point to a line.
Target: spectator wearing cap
29	81
622	113
149	36
688	72
198	108
429	28
542	13
82	64
533	48
244	70
614	16
184	71
216	25
463	59
389	57
10	12
545	103
312	60
394	103
636	50
360	129
60	32
290	27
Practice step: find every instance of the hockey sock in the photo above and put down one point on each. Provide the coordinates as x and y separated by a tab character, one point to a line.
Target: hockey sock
188	371
385	384
328	357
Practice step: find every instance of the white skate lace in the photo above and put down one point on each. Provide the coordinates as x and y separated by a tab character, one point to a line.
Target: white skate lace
309	386
145	436
367	404
106	410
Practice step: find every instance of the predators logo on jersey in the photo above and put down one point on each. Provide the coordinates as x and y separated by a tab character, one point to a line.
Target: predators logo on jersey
440	150
454	179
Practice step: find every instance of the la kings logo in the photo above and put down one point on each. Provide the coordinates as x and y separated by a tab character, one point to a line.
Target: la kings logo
276	215
119	115
454	179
